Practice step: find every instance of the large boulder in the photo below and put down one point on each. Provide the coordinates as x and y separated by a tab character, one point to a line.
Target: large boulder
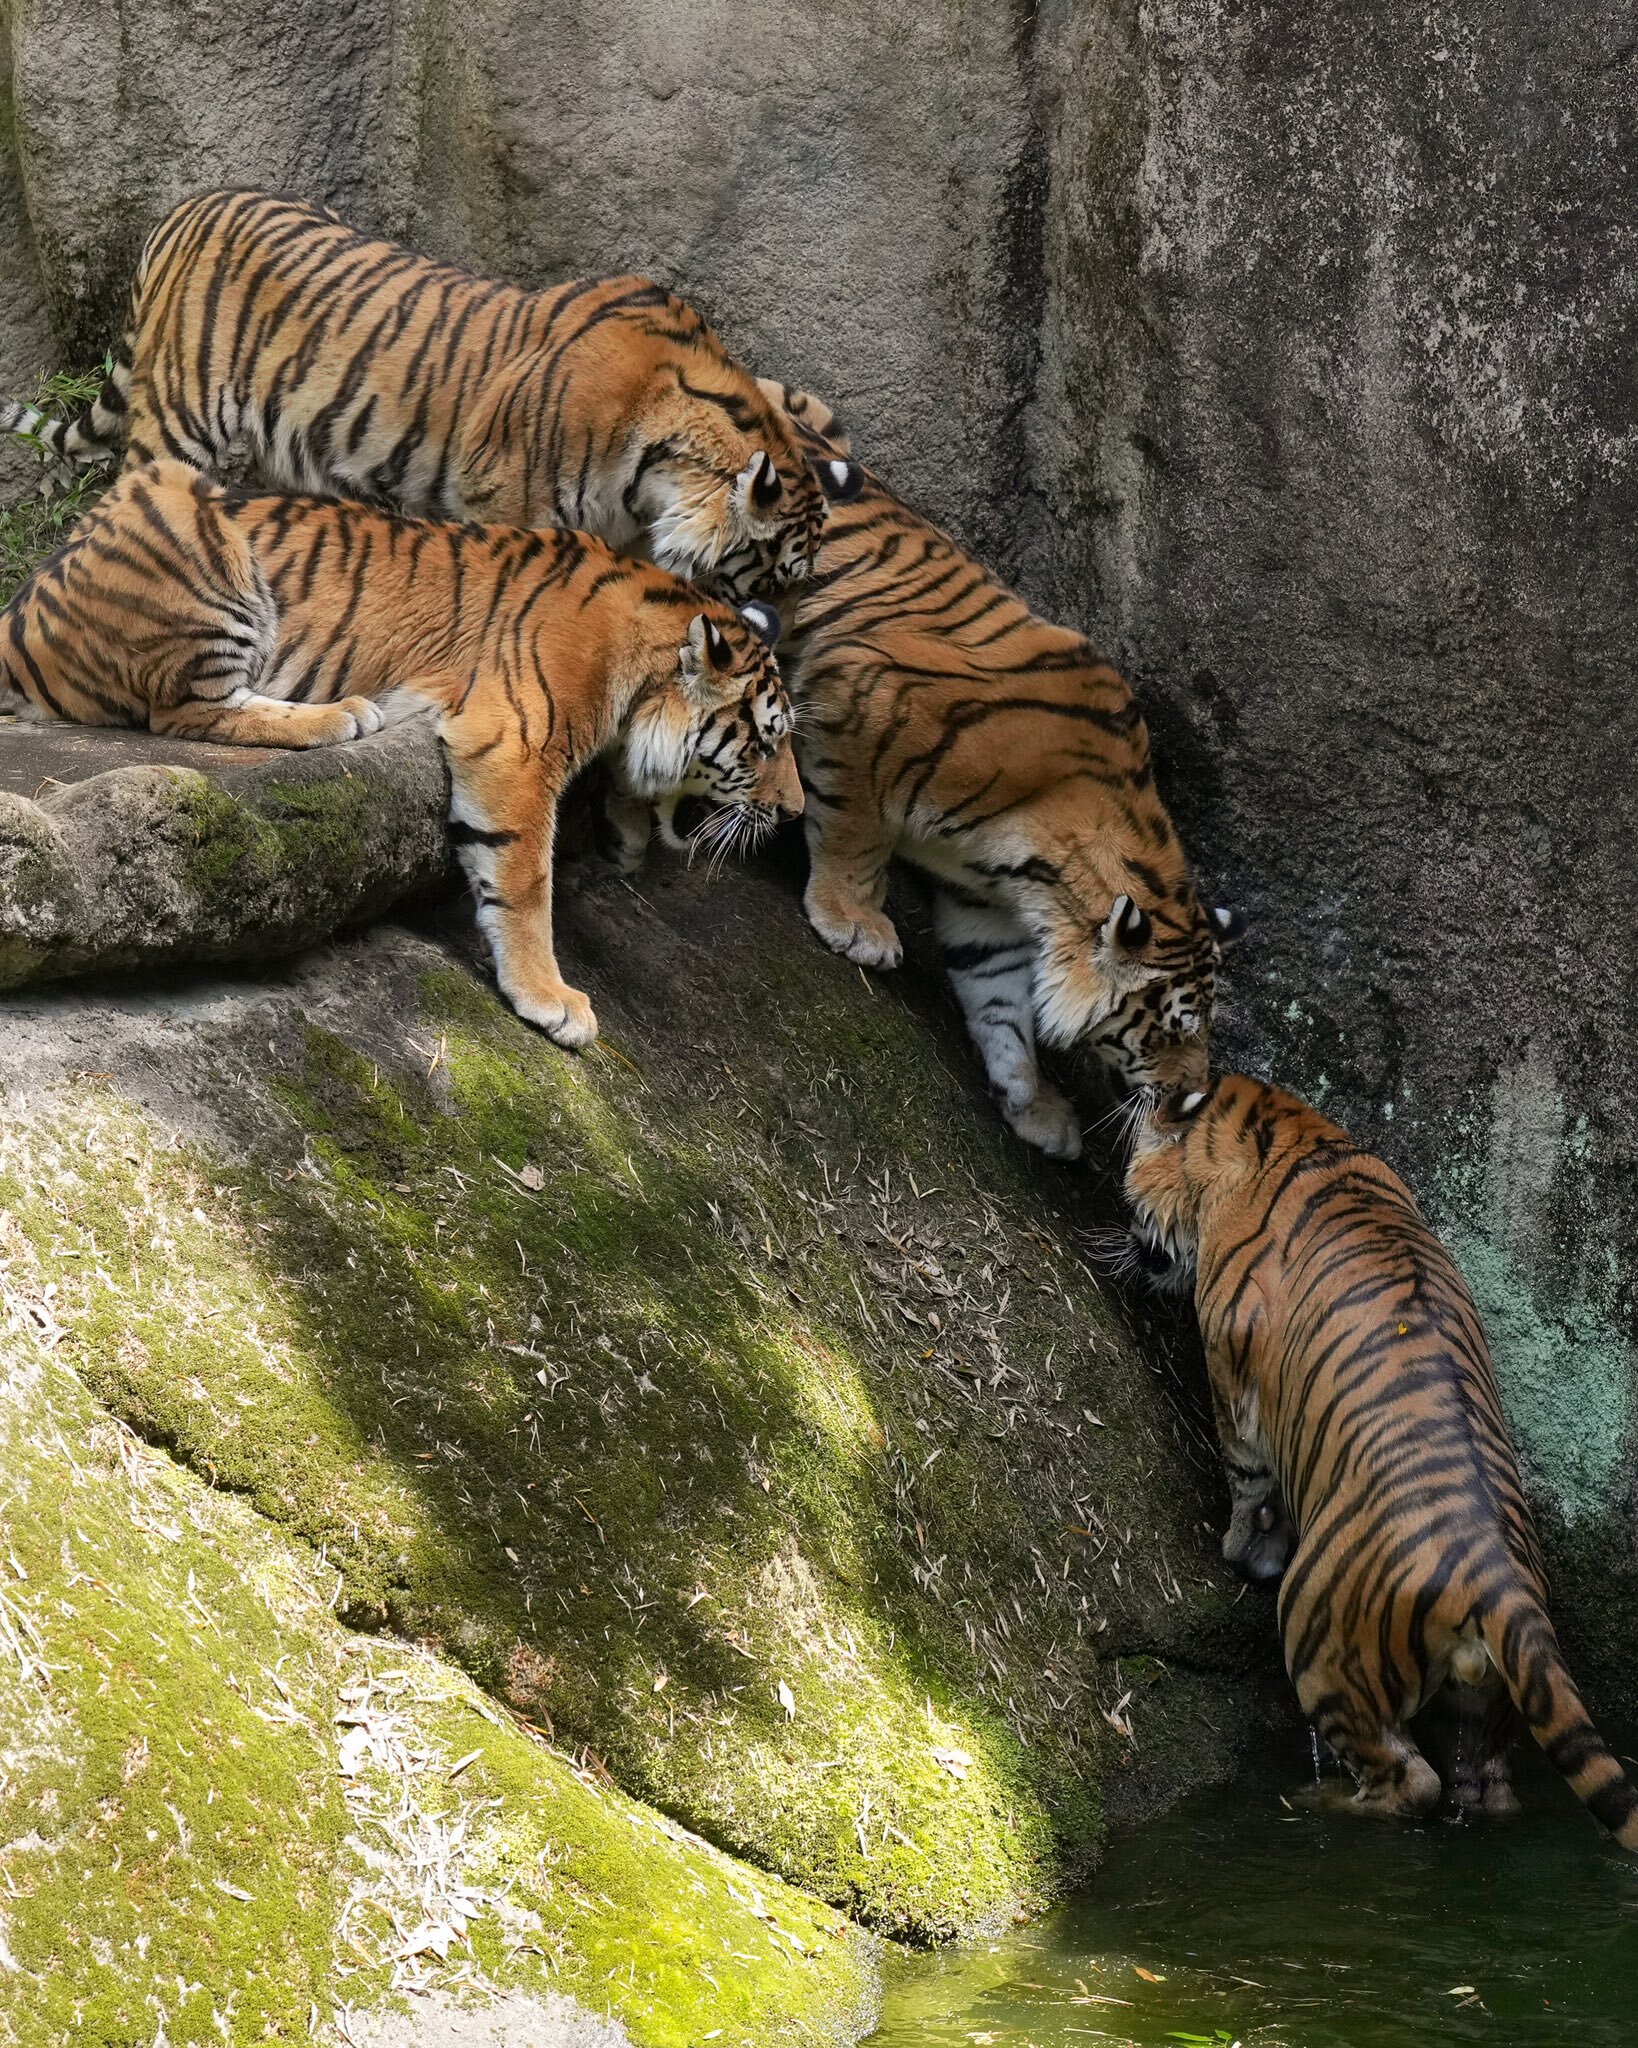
1337	429
119	850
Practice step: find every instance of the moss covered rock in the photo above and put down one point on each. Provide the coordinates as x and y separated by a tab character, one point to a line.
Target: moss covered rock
225	1817
118	850
734	1404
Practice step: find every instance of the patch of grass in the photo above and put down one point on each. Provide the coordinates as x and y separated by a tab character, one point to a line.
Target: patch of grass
29	531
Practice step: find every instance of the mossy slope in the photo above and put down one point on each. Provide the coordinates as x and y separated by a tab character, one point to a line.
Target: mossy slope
224	1817
730	1403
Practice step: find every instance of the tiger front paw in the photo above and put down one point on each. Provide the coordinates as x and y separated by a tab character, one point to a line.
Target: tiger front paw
855	931
1047	1121
563	1013
623	827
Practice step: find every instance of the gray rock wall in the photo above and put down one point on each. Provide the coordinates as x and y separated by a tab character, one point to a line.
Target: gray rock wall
1339	406
1291	351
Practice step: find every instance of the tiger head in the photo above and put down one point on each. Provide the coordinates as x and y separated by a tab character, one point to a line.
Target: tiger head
1193	1145
718	483
1133	983
713	721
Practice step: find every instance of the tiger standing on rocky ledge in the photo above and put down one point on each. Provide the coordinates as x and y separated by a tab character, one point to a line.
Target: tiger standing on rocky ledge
353	366
943	724
300	622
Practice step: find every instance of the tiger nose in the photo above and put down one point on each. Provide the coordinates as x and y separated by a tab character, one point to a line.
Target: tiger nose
787	789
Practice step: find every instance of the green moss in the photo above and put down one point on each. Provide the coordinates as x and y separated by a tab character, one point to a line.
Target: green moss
319	829
172	1837
189	1856
766	1474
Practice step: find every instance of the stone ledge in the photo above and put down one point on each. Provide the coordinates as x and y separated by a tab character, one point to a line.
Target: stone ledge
119	850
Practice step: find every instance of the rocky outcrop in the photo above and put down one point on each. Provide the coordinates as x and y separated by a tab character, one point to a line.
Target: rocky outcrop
132	852
733	1406
1336	439
1289	353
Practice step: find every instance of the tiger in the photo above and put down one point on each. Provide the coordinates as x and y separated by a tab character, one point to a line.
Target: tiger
211	613
1368	1455
354	367
940	722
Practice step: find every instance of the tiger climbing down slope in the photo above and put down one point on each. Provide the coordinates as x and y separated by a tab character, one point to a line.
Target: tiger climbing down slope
940	722
353	366
278	621
1357	1405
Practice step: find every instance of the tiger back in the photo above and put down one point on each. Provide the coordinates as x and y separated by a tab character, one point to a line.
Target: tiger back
207	613
943	724
1358	1409
355	366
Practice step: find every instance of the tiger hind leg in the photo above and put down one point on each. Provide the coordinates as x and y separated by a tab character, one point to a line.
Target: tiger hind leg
1468	1732
1391	1776
990	960
245	720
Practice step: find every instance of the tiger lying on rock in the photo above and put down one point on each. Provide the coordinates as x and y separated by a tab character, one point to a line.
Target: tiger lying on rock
354	366
943	724
301	622
1367	1453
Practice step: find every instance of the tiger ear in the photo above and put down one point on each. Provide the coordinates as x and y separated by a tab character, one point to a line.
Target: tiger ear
840	480
1126	930
758	482
703	654
763	621
1228	926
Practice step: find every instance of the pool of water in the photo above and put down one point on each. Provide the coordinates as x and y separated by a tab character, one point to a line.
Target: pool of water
1263	1914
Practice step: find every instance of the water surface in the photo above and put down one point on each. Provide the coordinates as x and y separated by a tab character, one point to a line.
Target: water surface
1270	1919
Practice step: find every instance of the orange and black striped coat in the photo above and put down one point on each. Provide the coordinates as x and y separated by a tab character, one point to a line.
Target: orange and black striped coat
298	622
940	722
351	365
1367	1452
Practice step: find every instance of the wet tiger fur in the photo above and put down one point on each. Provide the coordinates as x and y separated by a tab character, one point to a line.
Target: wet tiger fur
941	723
215	614
353	366
1358	1412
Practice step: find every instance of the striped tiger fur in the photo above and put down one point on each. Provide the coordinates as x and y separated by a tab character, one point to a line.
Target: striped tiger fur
215	614
942	723
353	366
1367	1451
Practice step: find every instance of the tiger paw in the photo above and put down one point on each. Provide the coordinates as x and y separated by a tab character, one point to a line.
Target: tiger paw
623	829
365	714
1048	1122
563	1013
863	936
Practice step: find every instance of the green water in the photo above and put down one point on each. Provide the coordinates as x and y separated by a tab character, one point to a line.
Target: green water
1309	1927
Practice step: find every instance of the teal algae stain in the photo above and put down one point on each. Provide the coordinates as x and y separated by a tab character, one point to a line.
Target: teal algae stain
1520	1215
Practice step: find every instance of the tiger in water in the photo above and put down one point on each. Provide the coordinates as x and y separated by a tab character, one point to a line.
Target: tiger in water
355	367
940	722
1368	1457
217	614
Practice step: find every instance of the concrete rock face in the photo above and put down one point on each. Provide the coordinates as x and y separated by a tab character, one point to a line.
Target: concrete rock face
1291	353
1348	480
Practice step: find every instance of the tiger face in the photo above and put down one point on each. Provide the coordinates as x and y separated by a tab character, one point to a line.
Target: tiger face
1191	1143
1140	993
718	726
729	501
